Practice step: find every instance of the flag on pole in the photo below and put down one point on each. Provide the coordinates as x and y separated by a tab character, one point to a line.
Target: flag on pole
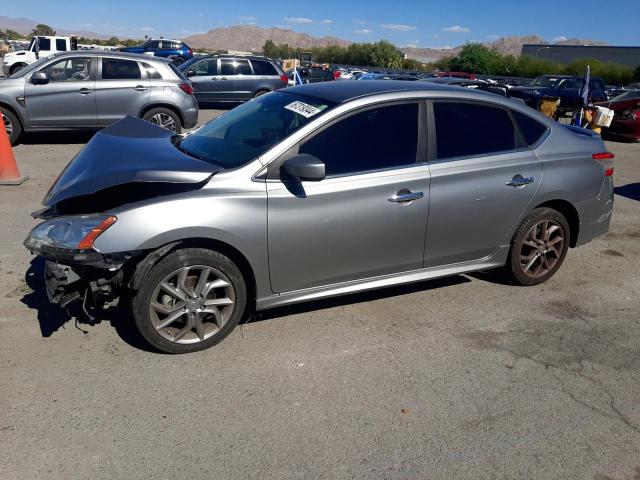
297	79
584	95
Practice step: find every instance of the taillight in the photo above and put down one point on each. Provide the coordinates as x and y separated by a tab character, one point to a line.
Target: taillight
607	161
190	52
336	74
186	88
284	79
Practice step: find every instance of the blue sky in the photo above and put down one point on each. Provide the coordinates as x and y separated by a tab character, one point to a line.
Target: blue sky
421	23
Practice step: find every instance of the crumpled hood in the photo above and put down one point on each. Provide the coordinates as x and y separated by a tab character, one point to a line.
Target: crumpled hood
131	150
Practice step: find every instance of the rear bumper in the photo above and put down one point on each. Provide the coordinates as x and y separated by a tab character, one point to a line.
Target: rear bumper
191	115
595	214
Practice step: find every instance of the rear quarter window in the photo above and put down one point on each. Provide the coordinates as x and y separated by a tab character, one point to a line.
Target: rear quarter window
531	129
261	67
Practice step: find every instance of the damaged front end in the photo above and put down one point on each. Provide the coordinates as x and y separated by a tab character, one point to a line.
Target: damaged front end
74	269
131	161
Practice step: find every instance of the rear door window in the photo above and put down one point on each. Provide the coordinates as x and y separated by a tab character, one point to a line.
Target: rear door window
260	67
374	139
472	129
61	45
235	66
116	69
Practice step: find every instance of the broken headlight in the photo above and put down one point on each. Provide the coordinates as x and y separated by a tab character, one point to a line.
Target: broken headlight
73	233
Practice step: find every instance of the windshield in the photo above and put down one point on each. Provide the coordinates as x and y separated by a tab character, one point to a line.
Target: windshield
184	66
34	66
630	95
247	131
544	81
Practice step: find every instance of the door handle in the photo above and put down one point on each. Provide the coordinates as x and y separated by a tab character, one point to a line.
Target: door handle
85	91
139	88
519	181
405	195
223	78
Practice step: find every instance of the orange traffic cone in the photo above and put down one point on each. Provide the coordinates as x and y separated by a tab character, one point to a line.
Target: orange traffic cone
9	173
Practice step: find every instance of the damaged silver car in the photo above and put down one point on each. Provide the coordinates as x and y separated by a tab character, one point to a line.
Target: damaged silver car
312	192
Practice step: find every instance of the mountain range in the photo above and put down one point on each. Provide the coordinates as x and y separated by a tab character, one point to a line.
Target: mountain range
252	38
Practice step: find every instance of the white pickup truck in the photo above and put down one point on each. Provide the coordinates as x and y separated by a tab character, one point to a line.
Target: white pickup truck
40	46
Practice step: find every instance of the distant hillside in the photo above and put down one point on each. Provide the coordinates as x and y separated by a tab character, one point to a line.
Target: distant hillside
25	26
505	46
252	38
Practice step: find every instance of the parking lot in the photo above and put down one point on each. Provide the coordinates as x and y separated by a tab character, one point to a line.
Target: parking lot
456	378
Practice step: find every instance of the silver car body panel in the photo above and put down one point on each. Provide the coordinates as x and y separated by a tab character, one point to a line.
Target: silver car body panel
323	245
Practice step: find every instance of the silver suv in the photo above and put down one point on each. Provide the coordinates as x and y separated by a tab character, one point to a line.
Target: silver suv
83	89
312	192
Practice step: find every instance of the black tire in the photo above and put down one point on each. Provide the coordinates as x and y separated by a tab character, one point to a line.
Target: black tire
14	123
178	61
155	113
522	251
17	67
259	93
194	258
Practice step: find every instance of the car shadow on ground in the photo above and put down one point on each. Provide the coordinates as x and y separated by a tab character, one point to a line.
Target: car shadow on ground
57	138
354	298
52	317
632	191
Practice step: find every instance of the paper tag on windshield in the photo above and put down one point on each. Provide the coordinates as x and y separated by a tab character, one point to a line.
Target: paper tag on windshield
303	109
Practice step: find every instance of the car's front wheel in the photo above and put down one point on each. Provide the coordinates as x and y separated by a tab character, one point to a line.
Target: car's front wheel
11	124
539	247
165	118
190	300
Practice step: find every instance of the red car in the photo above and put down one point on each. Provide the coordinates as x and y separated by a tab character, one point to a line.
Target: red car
468	76
626	118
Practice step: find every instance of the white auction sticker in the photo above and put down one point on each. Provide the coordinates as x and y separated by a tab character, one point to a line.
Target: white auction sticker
303	109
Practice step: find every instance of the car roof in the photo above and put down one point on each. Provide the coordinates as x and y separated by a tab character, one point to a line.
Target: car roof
229	55
345	91
110	53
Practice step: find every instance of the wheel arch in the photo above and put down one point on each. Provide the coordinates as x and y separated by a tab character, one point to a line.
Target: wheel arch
8	106
569	212
143	263
169	106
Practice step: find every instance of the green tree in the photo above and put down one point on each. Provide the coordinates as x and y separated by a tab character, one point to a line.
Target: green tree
42	29
476	58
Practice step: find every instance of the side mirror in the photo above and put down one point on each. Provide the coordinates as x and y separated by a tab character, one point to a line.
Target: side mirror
191	73
40	78
304	167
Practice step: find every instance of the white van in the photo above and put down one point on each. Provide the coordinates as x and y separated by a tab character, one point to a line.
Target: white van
39	47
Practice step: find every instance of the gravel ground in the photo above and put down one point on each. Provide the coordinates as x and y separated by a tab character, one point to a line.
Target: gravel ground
456	378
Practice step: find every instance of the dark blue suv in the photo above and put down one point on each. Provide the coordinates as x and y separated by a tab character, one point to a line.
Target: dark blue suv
178	51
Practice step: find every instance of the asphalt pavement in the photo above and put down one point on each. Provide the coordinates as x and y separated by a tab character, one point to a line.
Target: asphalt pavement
456	378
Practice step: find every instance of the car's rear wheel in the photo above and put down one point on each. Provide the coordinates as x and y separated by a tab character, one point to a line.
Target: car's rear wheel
191	300
165	118
11	124
178	61
539	247
259	93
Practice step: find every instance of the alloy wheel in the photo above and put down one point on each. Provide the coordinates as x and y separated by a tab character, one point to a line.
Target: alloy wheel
542	248
164	120
192	304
